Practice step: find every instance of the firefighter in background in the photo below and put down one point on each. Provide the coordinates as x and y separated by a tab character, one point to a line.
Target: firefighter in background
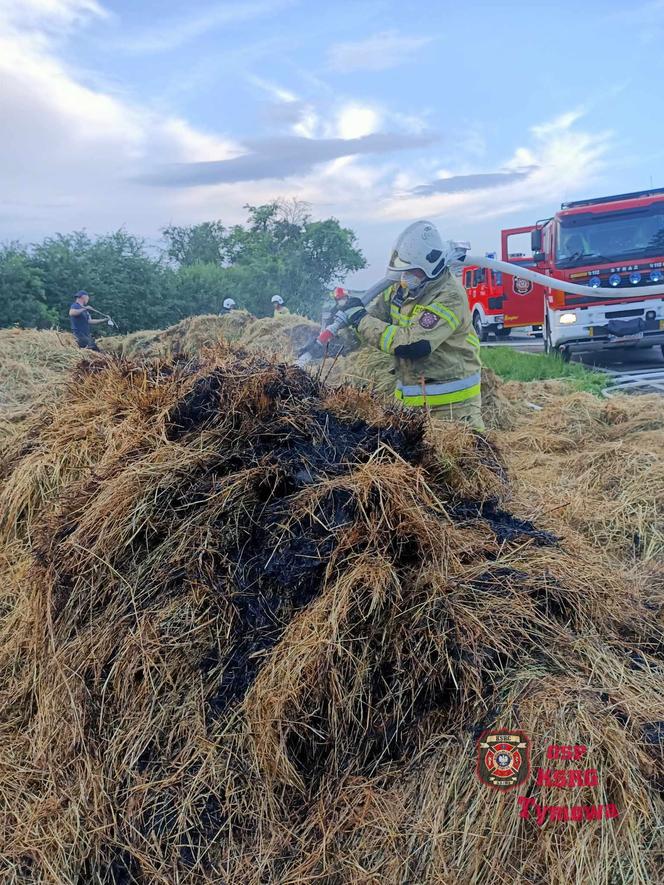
279	307
424	322
227	307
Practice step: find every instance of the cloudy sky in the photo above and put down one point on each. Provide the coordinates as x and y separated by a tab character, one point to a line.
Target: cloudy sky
482	115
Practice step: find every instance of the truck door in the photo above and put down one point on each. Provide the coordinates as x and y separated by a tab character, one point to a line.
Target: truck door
524	301
469	285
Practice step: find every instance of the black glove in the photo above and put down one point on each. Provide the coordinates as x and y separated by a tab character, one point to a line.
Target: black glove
354	311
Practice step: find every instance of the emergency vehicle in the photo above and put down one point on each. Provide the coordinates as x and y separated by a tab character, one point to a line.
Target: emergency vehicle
500	302
614	242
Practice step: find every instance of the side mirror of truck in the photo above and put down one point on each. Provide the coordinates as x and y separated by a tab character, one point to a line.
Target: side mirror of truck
538	257
536	240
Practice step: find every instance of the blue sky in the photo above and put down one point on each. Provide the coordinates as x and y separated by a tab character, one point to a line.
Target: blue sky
478	116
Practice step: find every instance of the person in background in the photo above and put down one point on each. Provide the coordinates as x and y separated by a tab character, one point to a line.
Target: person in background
280	308
228	306
80	320
423	321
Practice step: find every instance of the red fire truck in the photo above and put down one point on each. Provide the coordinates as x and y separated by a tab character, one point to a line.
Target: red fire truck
613	242
500	302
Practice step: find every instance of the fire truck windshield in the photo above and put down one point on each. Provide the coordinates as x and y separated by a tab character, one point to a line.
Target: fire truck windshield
610	236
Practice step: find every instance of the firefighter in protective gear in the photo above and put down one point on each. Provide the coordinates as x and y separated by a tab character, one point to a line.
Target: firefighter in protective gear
424	322
228	306
279	307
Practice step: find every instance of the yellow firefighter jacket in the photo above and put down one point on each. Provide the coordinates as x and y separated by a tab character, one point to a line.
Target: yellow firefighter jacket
436	352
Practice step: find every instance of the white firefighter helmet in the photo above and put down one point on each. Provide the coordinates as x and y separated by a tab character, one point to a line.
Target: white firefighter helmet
277	299
419	247
229	304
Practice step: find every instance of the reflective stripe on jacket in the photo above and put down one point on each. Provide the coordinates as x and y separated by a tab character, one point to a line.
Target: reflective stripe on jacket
436	351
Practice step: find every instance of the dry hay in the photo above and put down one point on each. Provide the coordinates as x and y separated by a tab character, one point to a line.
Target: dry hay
190	336
283	335
144	344
599	463
367	368
500	412
252	628
33	367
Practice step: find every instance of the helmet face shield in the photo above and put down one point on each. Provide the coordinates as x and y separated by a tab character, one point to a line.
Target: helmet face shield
397	264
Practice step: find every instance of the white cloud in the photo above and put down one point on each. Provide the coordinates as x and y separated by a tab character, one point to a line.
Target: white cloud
277	92
308	124
339	119
48	13
559	160
69	152
100	144
356	120
561	123
377	53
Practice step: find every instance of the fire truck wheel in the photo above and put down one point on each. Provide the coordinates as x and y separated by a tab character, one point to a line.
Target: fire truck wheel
480	331
503	333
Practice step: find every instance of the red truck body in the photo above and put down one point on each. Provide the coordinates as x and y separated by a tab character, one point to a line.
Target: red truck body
613	242
500	302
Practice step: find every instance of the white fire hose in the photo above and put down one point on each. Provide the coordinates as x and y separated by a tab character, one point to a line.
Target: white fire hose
526	273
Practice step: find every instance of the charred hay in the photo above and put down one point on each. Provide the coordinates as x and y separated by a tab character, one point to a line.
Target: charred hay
252	627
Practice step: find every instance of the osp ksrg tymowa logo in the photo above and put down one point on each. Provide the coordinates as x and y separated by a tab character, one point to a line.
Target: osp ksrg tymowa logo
521	286
503	759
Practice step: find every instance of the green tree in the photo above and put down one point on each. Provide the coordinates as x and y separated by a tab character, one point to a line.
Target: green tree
281	251
22	299
199	289
122	278
200	244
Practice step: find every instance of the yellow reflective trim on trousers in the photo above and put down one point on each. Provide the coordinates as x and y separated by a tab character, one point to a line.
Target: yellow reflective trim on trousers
441	399
387	338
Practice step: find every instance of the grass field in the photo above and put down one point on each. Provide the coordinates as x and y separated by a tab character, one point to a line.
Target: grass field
512	365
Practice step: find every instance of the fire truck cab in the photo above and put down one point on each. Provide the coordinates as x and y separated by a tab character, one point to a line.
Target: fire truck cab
614	242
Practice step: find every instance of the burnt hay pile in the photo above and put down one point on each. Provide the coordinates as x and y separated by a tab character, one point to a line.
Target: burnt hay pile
252	627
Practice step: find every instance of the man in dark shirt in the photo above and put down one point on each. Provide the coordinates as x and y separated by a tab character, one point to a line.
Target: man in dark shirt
81	321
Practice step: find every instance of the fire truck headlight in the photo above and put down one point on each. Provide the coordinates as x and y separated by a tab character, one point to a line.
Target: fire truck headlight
635	278
595	282
655	276
615	280
567	319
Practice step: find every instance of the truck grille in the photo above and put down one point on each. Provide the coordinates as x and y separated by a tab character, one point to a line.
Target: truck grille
619	314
